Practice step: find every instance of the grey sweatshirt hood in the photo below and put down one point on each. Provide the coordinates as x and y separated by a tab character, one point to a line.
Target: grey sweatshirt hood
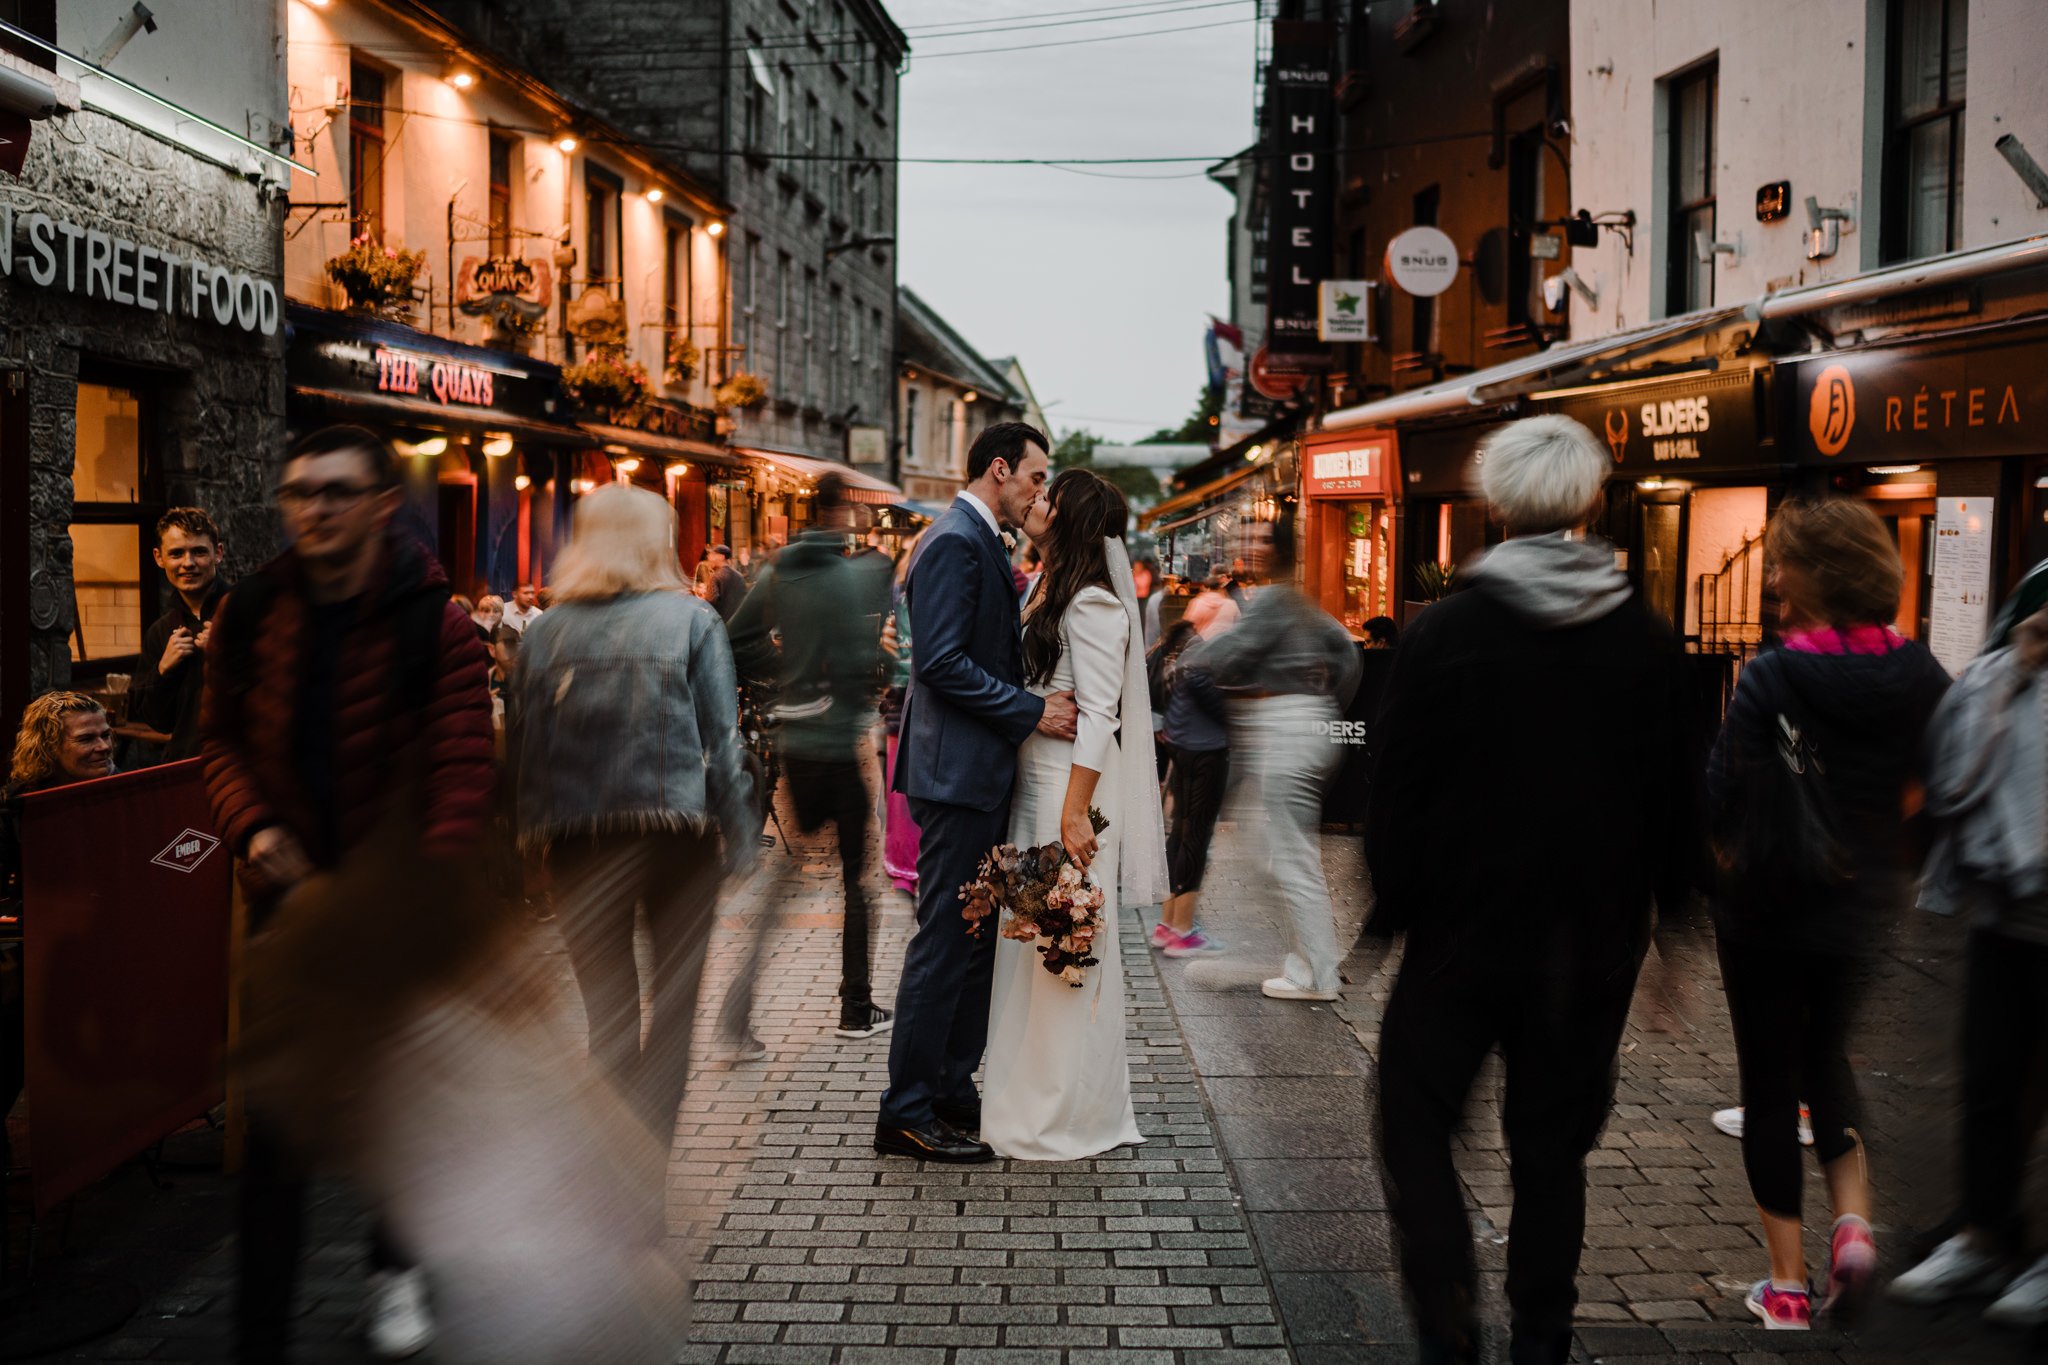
1554	580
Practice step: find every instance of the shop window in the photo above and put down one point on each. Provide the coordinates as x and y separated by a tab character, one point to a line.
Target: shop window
366	91
1927	56
749	295
760	90
113	513
501	194
910	425
1690	206
836	171
810	319
601	194
675	275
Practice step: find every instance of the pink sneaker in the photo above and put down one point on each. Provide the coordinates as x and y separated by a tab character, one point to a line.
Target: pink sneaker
1162	936
1194	943
1852	1260
1782	1310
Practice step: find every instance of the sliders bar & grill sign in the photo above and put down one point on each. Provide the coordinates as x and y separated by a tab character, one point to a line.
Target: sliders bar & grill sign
99	265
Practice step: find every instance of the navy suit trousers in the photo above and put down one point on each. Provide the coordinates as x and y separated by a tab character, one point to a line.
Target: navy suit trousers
942	998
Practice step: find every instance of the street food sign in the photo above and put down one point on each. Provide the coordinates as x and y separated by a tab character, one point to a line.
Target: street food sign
1908	403
1302	81
92	264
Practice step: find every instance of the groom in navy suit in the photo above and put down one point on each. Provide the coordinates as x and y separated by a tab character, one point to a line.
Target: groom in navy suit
966	714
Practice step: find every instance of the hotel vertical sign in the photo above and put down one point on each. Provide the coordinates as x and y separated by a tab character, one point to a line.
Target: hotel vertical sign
1301	87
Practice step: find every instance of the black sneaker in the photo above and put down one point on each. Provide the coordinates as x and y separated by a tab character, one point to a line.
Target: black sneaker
864	1021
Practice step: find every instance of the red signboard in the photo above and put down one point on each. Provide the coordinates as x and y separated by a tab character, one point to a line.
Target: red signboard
125	905
1355	468
448	380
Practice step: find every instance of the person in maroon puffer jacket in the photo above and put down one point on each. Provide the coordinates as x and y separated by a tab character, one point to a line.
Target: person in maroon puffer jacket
336	676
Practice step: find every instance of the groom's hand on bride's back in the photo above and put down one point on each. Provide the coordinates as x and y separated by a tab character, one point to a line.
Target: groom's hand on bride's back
1058	720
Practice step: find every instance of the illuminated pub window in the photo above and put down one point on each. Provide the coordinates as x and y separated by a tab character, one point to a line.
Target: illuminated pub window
112	518
601	265
366	149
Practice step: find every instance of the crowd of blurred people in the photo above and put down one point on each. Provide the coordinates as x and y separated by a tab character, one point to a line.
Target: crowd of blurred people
607	748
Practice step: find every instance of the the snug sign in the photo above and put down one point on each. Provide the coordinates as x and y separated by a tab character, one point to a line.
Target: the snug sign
55	252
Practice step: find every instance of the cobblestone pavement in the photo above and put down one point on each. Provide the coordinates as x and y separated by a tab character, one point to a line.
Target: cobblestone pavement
1673	1240
1250	1228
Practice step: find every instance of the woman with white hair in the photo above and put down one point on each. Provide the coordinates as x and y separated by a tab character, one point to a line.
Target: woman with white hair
1529	807
626	751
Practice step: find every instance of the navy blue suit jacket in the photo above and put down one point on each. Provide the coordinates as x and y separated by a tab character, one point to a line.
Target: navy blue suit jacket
967	711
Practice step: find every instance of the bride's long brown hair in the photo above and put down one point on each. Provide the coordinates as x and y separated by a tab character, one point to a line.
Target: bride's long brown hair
1091	509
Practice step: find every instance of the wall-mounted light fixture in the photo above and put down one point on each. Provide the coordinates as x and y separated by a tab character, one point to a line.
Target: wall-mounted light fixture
1824	229
627	465
656	195
522	483
433	445
678	468
495	446
460	74
2025	167
1554	287
715	228
566	143
1706	247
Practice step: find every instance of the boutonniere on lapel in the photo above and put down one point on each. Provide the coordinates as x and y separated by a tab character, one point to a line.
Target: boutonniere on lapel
1009	541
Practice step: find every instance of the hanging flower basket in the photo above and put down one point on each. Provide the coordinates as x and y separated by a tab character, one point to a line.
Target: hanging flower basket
605	380
375	277
684	360
741	391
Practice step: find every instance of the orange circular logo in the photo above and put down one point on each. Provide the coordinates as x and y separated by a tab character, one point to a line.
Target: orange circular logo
1831	415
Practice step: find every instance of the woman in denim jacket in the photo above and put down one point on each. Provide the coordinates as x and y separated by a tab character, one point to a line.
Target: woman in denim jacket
625	747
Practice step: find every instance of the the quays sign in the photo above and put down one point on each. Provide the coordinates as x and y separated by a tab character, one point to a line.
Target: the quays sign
57	253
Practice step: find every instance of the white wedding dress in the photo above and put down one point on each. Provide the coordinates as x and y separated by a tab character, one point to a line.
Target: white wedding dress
1057	1086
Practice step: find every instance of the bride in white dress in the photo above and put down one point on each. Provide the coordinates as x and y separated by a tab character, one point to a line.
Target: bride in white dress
1057	1086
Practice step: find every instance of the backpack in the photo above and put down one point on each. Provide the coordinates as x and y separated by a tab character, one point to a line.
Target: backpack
1786	843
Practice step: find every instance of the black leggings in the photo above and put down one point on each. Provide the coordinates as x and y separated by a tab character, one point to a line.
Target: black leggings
1199	778
1791	1010
2005	1019
834	789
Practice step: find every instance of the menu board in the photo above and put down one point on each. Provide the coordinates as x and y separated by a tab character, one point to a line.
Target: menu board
1962	579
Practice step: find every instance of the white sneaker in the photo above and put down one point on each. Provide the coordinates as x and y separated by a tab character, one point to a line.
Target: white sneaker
1729	1121
1280	988
1955	1270
2025	1301
400	1325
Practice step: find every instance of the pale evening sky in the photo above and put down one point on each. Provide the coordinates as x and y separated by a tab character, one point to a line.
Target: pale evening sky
1100	286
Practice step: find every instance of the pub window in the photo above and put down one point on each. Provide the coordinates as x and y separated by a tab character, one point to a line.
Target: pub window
113	517
31	16
1689	281
910	425
1525	211
811	141
501	194
785	116
785	268
601	194
366	87
676	302
810	375
857	186
1923	161
760	90
856	359
836	171
750	293
1422	311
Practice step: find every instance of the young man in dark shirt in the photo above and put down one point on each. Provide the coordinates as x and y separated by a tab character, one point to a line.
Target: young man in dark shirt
170	676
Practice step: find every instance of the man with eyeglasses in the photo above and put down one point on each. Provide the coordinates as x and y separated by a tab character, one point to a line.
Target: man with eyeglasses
334	675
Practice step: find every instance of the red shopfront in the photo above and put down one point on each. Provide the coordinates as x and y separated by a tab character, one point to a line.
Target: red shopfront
1348	523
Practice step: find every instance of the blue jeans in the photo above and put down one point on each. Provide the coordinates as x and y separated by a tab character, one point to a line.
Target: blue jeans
942	998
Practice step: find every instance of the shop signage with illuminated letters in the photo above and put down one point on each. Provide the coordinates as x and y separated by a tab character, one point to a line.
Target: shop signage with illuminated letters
1913	403
58	253
1652	428
354	358
1353	469
1302	82
485	284
449	382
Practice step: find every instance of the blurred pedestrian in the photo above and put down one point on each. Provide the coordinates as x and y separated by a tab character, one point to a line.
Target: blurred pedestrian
899	828
1197	733
625	824
1289	671
1808	786
504	652
1382	633
488	615
813	624
340	679
1987	791
1213	609
1033	569
170	675
524	609
1145	573
1523	822
724	585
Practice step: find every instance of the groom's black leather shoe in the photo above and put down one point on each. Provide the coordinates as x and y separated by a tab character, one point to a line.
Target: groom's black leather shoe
939	1142
964	1115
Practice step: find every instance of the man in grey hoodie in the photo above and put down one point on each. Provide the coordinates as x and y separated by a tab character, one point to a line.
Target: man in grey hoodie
1532	801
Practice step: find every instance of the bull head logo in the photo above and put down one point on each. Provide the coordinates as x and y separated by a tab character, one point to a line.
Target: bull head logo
1617	432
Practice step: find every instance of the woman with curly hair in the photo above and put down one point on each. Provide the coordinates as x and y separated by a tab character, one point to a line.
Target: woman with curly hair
64	737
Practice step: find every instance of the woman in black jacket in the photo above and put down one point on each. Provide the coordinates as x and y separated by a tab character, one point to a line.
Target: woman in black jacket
1796	928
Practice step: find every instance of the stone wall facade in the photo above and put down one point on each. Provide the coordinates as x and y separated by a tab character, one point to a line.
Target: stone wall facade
214	418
